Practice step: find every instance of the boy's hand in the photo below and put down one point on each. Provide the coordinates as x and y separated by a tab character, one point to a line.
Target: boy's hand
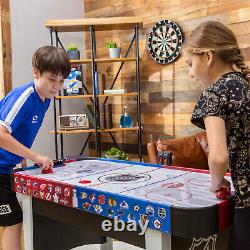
43	161
24	163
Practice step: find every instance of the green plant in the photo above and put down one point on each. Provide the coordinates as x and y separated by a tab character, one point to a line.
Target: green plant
71	46
111	44
116	154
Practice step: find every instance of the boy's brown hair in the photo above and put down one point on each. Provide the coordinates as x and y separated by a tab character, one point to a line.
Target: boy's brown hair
215	36
51	59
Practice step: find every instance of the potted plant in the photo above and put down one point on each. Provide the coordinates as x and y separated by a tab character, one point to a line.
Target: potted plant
115	153
72	51
114	50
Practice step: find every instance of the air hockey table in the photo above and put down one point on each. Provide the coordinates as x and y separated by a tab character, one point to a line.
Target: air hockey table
174	201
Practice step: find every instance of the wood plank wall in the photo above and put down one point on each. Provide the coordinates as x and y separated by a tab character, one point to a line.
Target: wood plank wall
6	45
168	94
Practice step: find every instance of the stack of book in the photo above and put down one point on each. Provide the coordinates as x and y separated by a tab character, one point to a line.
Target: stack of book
114	91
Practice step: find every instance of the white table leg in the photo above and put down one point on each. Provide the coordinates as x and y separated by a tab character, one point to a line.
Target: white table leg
108	245
27	221
156	240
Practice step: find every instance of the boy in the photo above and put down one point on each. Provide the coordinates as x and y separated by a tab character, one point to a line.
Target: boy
21	115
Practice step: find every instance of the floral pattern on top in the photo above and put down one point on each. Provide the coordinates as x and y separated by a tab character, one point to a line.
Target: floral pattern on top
229	98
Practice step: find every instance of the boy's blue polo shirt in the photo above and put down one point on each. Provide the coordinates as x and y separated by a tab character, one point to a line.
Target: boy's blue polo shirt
21	113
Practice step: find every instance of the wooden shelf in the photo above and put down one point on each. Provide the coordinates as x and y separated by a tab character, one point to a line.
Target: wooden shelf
105	60
77	131
99	24
101	95
120	129
73	96
93	25
126	94
80	131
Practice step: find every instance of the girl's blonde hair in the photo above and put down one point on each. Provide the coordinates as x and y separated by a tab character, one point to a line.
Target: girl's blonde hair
216	37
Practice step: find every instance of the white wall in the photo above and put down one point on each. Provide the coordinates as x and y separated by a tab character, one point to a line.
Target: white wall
28	33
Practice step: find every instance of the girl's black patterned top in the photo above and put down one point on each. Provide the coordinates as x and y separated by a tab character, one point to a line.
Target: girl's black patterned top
229	98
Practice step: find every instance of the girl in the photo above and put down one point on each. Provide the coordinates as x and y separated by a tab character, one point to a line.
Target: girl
215	60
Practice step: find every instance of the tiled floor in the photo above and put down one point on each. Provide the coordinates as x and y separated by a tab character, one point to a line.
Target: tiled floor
117	246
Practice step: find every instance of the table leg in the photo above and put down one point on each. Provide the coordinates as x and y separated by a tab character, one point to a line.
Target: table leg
156	240
108	245
27	221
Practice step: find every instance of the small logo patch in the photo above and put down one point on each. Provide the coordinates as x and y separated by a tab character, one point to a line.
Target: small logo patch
5	209
34	119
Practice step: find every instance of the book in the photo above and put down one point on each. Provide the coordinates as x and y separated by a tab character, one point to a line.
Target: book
101	83
106	116
114	91
108	122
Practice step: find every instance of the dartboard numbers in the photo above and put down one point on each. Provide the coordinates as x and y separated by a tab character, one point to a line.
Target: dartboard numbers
165	41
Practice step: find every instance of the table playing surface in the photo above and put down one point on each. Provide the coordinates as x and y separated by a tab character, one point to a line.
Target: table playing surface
129	191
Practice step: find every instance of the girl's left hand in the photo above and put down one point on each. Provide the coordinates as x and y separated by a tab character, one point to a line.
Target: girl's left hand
225	184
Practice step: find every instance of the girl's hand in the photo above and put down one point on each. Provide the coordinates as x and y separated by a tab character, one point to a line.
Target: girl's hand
225	184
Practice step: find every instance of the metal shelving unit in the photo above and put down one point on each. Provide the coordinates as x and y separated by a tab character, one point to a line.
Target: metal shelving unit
92	25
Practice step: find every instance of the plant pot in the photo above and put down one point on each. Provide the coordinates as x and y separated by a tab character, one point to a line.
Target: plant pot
73	54
114	52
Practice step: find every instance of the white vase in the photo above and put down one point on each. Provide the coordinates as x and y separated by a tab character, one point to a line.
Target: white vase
114	52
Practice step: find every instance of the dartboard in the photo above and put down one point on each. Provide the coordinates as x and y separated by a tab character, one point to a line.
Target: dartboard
165	41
